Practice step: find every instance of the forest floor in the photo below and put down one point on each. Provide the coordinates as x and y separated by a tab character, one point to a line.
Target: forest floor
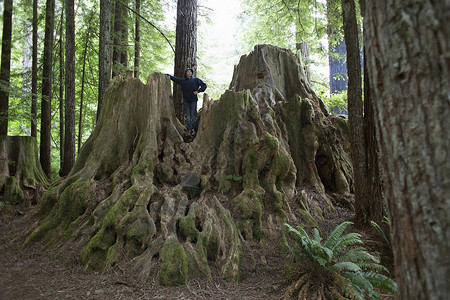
36	274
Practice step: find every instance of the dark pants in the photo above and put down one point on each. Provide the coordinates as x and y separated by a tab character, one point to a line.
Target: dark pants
190	115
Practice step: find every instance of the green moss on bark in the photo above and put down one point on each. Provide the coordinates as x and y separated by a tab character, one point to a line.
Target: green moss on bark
174	264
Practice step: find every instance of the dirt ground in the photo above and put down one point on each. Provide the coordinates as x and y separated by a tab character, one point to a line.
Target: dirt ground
37	274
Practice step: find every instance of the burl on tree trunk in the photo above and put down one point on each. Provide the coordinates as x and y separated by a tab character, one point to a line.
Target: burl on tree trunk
21	177
141	198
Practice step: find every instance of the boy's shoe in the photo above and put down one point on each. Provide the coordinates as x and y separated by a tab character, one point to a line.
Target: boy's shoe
189	133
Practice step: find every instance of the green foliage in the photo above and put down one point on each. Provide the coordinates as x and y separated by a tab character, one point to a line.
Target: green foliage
380	232
236	178
336	267
337	103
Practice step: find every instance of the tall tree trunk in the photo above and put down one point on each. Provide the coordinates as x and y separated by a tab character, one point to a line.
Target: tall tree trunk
80	122
116	34
46	117
5	66
61	90
370	207
407	53
124	37
336	48
185	47
120	36
104	53
355	104
137	41
34	71
69	136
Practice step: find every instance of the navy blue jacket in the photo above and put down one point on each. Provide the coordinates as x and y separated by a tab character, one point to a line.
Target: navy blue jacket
189	86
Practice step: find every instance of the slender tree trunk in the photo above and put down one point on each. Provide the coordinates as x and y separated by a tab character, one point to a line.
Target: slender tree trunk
5	66
407	53
124	38
137	45
116	33
370	207
355	104
185	47
69	136
80	122
104	51
34	71
46	117
61	90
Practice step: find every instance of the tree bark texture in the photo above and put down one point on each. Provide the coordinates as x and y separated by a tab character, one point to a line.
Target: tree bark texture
137	40
408	58
69	134
119	34
104	53
355	104
5	70
141	198
47	73
61	89
81	117
34	71
371	206
185	48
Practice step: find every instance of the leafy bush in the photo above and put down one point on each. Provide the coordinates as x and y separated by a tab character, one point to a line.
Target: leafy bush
335	267
337	103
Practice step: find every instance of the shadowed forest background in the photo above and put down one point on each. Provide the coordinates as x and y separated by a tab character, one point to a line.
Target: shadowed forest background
320	168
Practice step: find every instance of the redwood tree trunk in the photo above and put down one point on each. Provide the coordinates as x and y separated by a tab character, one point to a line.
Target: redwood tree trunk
185	47
5	66
104	53
120	35
61	91
34	71
46	116
355	104
370	207
407	52
137	40
69	136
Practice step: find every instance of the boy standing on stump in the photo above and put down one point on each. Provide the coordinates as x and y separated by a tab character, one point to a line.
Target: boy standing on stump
190	86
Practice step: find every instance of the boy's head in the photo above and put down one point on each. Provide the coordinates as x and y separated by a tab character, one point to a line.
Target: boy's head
188	73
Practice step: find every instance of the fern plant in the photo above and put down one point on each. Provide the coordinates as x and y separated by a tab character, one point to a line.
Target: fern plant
335	267
379	231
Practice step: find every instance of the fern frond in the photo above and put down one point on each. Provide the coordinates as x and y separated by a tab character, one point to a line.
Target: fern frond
381	233
382	282
359	282
346	240
345	266
295	253
336	234
358	254
317	236
346	288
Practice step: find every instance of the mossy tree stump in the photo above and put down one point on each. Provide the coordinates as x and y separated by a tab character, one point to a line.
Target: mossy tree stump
22	180
128	202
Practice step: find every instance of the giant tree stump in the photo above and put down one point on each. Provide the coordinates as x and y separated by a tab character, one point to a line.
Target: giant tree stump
21	177
140	197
